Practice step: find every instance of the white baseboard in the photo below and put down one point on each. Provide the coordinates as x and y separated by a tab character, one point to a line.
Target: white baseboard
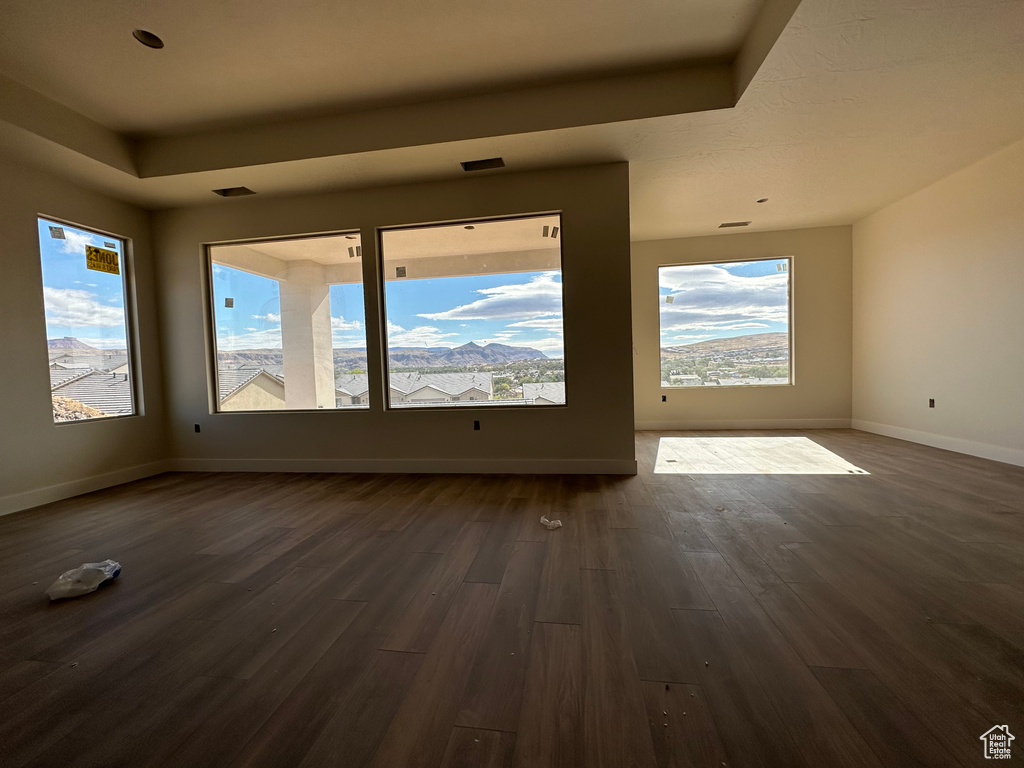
414	466
970	447
680	424
28	499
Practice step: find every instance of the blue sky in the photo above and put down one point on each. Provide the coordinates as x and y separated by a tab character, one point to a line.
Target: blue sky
81	302
717	301
520	309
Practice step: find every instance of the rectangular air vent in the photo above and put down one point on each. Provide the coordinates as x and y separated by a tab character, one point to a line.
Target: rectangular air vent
727	224
483	165
233	192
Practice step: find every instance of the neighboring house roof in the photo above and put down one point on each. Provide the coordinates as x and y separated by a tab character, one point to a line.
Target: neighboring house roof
352	384
60	375
231	380
277	371
453	384
449	383
553	391
109	393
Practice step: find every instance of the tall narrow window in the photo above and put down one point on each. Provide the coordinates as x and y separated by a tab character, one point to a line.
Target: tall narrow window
289	324
725	324
85	298
474	313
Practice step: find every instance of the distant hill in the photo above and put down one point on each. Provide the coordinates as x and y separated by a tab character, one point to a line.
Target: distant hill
755	342
468	354
70	342
404	357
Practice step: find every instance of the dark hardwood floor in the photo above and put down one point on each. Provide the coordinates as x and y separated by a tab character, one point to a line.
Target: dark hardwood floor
396	620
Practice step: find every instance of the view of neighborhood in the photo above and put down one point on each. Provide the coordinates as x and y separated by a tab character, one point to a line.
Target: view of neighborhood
760	358
492	374
86	382
83	297
474	318
725	324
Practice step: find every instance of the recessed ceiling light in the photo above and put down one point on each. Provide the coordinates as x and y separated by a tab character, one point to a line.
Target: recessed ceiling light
763	200
148	39
469	226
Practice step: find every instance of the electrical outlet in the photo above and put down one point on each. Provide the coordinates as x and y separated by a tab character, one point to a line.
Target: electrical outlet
197	427
664	398
931	402
476	425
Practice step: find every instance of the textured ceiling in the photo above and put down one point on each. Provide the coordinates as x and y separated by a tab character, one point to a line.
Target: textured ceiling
859	103
231	60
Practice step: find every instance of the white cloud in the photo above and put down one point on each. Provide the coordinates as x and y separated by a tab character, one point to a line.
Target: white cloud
541	296
550	324
265	339
345	342
719	325
78	308
709	297
270	317
342	332
341	324
545	345
75	242
688	337
421	336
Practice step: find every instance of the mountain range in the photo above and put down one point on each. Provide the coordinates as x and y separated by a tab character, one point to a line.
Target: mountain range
70	342
405	357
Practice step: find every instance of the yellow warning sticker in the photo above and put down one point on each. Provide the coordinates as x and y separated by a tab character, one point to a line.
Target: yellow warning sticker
101	260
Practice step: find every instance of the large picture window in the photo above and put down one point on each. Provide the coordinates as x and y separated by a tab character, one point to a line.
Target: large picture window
289	323
725	324
85	298
474	314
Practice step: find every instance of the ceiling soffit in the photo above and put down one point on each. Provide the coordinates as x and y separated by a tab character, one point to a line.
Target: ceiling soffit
610	97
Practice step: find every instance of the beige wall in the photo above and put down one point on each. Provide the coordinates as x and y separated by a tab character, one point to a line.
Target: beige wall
939	313
592	433
39	460
821	294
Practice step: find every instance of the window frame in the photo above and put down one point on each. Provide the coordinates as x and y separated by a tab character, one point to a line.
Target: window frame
790	326
383	316
131	320
210	305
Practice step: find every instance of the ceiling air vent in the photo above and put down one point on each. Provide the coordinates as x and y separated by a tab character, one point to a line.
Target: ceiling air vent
233	192
727	224
483	165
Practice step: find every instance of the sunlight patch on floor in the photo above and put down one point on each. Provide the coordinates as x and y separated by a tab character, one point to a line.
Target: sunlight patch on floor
748	456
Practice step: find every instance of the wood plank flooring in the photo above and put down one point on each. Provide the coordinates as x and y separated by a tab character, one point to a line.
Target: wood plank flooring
698	614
